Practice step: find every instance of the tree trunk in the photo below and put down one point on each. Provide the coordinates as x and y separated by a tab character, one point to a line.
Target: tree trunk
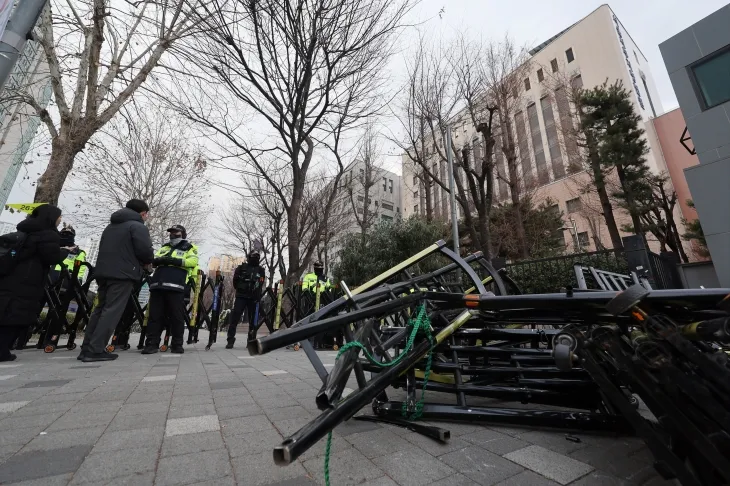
50	184
292	233
635	220
606	207
514	187
427	194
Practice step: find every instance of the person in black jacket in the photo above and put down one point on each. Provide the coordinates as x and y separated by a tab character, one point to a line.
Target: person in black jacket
125	249
22	290
248	280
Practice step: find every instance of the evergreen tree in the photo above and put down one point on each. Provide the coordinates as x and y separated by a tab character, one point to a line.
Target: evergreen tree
615	142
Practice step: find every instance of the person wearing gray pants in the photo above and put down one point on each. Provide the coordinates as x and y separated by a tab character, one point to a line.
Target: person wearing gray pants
125	249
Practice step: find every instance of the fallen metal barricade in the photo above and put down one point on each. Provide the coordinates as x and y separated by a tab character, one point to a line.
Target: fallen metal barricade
576	360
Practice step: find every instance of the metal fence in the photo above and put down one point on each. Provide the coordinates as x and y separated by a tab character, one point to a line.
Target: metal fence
549	275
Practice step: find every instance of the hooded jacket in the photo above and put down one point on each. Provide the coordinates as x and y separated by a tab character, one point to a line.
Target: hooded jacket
125	247
22	290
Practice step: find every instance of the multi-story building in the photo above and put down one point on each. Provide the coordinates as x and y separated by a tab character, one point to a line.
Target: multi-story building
586	54
18	121
698	63
348	214
6	227
225	263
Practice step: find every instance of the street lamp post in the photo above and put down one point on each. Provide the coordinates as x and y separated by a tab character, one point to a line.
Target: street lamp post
18	30
452	191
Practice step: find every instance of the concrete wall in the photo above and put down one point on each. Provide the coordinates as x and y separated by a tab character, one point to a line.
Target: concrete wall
710	129
697	275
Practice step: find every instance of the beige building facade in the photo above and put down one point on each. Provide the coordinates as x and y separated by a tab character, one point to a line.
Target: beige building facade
592	51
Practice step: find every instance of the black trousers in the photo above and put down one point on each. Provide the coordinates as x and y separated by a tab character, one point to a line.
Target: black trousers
239	306
8	335
167	310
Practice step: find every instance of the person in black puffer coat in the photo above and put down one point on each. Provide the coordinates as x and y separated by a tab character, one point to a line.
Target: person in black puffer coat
22	290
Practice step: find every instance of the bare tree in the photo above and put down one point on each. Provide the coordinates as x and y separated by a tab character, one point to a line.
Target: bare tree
359	188
145	154
307	71
99	52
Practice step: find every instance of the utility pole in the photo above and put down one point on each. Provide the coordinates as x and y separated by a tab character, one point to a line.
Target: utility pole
452	190
18	31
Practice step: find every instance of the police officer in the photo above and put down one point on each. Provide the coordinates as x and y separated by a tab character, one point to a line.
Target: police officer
248	280
68	237
310	282
173	263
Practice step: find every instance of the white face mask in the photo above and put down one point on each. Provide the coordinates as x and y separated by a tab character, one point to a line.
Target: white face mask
175	241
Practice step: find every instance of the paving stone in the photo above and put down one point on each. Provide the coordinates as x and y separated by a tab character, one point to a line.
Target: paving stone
195	410
200	466
14	365
136	479
252	443
191	425
75	420
259	469
41	464
26	421
301	481
529	478
274	372
191	400
377	442
555	441
224	385
65	438
412	468
355	427
138	421
455	480
45	383
84	367
225	413
226	481
60	480
381	481
6	377
124	439
162	365
559	468
149	379
480	465
143	408
599	478
433	447
19	436
494	441
12	406
189	443
245	425
616	461
284	413
104	465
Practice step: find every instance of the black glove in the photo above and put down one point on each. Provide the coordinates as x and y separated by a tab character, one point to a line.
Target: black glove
175	262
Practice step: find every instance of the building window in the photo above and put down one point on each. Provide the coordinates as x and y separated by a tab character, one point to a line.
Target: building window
573	205
524	148
569	55
414	181
391	185
712	77
362	172
540	75
415	194
583	239
386	218
648	95
527	84
556	154
554	65
636	57
566	121
387	206
376	204
415	209
359	210
543	176
360	199
577	82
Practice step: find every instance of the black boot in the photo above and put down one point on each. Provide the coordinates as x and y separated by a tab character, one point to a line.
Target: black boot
94	357
150	349
230	343
177	349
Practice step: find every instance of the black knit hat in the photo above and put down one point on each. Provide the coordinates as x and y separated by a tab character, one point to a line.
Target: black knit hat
137	205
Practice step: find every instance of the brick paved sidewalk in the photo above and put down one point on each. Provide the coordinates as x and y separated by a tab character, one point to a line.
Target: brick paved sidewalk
213	418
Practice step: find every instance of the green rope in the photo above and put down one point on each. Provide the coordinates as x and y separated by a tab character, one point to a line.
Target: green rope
420	324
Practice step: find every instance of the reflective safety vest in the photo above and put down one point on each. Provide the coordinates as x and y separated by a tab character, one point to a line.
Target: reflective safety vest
309	282
174	277
69	262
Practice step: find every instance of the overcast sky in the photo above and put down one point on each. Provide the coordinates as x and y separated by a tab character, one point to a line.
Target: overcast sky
649	22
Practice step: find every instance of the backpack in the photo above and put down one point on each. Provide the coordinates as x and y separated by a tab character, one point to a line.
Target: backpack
248	281
10	245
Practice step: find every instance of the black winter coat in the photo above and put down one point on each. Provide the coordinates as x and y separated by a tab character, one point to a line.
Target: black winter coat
125	247
21	292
